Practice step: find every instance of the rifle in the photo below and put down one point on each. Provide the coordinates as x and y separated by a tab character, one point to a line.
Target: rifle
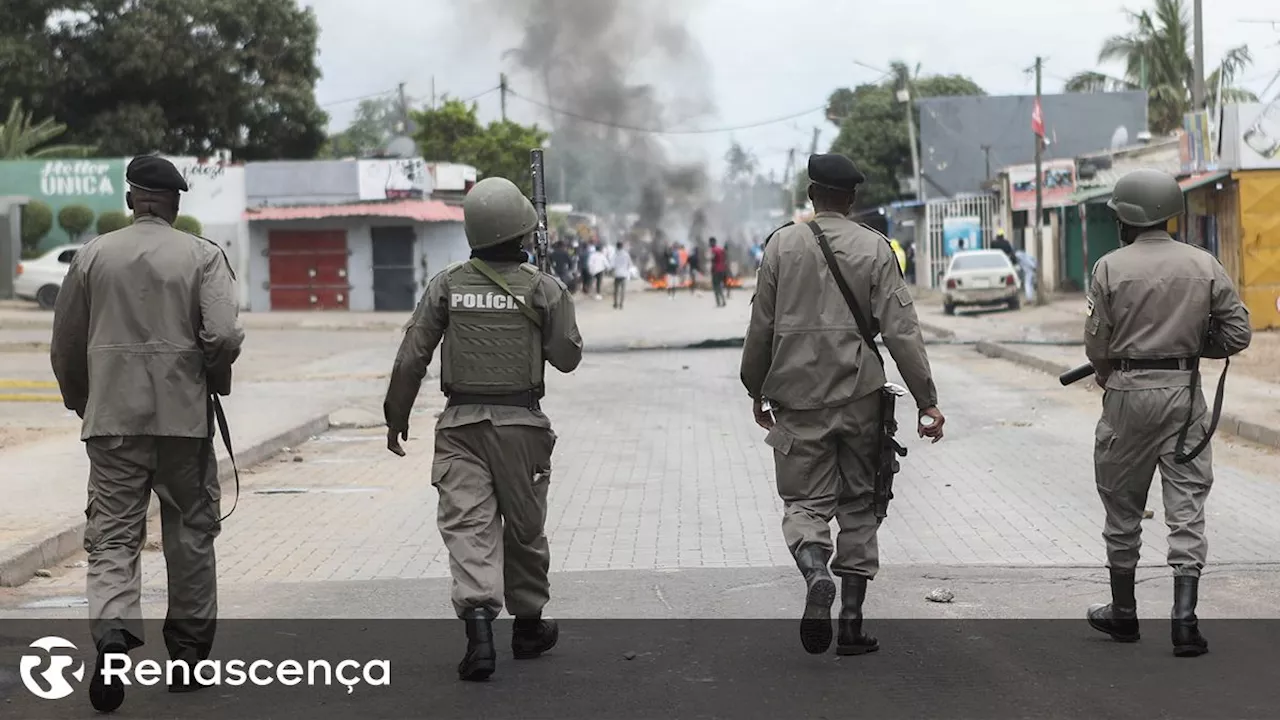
540	241
888	449
1075	375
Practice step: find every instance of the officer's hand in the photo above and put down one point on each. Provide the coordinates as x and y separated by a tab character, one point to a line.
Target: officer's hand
934	428
393	440
763	418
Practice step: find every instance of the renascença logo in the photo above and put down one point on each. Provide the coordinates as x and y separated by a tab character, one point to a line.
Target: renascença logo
55	686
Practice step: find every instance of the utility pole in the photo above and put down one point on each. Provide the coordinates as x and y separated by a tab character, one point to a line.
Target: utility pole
813	149
1040	297
433	92
502	85
791	180
1197	87
904	97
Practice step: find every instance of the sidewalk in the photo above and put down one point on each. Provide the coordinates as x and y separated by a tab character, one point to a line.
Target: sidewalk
265	416
649	319
1049	338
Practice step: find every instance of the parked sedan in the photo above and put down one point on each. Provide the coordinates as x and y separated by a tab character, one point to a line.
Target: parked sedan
980	278
41	278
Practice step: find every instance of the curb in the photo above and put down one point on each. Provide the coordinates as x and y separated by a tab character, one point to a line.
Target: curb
941	332
1228	424
19	563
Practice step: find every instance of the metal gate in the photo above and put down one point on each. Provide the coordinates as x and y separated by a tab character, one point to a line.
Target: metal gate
395	286
307	269
965	222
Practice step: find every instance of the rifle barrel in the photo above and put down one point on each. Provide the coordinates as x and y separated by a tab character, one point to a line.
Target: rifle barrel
1075	375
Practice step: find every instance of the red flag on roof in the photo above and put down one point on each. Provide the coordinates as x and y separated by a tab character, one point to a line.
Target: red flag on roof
1037	120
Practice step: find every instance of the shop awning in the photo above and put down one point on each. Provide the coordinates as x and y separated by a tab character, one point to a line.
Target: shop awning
1194	181
1089	194
418	210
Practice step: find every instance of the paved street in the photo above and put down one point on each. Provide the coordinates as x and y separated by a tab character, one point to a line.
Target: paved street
663	508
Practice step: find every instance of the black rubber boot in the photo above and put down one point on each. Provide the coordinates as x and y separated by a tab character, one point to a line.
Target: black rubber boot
481	658
1119	618
815	624
106	698
1187	640
851	640
532	636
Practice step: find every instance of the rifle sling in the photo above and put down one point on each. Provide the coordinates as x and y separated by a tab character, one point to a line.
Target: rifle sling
867	336
496	279
225	432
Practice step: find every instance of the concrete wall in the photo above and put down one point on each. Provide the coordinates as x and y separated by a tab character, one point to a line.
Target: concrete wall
302	182
438	245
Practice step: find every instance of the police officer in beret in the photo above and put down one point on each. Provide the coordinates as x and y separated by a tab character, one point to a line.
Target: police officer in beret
805	355
1155	307
500	320
145	328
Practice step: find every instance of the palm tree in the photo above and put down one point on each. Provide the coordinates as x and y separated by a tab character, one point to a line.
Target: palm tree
1157	58
20	139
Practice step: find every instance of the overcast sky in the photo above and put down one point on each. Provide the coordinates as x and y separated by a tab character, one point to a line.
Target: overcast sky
769	58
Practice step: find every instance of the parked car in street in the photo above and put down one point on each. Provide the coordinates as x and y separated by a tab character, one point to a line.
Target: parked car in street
980	278
41	278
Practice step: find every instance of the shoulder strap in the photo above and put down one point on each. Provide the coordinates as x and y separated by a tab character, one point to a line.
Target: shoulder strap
867	336
483	268
775	232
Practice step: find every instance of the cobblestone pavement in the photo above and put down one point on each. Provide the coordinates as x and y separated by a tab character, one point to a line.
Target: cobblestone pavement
660	467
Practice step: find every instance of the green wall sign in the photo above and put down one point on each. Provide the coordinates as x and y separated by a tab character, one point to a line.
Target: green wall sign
96	183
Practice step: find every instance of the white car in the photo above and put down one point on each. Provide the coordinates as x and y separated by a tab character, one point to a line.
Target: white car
41	278
980	278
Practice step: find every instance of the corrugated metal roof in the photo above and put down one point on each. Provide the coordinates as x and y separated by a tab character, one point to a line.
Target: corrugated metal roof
1194	181
419	210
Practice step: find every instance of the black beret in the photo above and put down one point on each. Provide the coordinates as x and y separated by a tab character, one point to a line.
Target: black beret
156	174
835	171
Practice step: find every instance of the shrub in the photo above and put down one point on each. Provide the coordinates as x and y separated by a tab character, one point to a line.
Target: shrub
188	224
113	220
75	220
37	221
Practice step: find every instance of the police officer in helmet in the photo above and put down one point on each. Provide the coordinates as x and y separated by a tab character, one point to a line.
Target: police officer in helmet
500	319
1155	307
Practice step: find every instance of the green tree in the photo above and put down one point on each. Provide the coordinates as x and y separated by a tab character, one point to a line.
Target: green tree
188	224
443	130
111	221
873	129
37	221
376	122
1157	57
75	221
184	77
452	133
22	139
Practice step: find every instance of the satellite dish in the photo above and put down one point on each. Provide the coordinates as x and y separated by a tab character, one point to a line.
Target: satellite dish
1120	138
402	147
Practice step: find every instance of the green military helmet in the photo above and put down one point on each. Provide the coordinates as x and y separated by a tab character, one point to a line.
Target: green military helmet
495	211
1146	198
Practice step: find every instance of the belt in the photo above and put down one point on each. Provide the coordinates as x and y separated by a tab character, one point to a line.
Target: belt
1127	364
527	399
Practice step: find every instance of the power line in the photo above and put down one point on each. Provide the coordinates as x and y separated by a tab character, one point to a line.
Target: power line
357	99
660	131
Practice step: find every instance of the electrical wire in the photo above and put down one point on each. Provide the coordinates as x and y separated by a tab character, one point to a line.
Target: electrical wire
357	99
660	131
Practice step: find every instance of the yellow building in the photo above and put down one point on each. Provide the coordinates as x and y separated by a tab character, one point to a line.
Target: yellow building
1255	259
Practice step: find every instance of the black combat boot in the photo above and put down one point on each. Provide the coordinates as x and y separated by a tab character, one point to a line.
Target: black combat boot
1119	618
815	624
105	697
1187	640
481	658
532	636
851	640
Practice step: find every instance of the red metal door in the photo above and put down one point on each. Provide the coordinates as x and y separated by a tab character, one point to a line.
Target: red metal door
308	269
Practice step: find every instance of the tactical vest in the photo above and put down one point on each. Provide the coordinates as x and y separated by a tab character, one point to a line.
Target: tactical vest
490	347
